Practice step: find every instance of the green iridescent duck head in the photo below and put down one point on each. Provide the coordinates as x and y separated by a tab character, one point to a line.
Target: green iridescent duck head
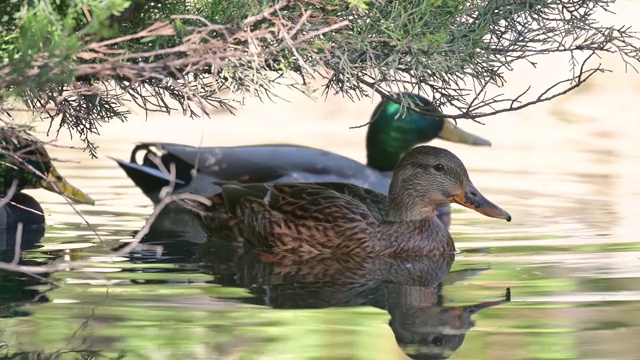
24	159
394	131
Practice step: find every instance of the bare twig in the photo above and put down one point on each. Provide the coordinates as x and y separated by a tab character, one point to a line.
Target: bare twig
18	245
10	192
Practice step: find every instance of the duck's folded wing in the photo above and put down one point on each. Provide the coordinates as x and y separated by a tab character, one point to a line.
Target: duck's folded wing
306	201
301	215
374	201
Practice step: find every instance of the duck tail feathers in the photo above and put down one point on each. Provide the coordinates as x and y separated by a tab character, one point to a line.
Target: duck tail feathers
150	180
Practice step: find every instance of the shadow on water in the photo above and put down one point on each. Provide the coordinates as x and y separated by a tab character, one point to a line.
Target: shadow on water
175	236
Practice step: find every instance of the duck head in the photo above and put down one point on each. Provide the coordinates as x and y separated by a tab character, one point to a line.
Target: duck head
428	177
20	155
393	131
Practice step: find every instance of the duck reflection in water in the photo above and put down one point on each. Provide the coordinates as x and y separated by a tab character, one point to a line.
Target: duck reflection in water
424	328
409	290
20	289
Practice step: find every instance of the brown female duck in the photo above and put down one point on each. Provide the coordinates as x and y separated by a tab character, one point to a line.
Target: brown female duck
338	218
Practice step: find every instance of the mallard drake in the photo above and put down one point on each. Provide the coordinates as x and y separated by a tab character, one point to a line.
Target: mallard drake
25	160
391	133
340	218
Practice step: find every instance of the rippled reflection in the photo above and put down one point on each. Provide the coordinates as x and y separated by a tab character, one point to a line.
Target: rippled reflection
409	290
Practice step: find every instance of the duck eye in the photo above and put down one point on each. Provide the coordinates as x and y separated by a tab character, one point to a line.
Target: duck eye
438	167
437	340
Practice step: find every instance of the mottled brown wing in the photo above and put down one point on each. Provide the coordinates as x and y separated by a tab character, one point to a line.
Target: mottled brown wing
214	219
305	218
374	201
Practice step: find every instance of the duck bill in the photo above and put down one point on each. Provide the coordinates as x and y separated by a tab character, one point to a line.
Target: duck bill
477	307
471	198
57	184
451	132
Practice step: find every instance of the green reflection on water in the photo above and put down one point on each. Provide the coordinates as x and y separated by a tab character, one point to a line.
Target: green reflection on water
193	326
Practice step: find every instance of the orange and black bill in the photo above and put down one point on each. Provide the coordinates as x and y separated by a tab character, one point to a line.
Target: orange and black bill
470	197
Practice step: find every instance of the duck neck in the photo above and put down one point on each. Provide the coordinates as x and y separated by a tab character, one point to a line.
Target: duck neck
413	238
406	201
13	169
8	175
406	207
393	131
